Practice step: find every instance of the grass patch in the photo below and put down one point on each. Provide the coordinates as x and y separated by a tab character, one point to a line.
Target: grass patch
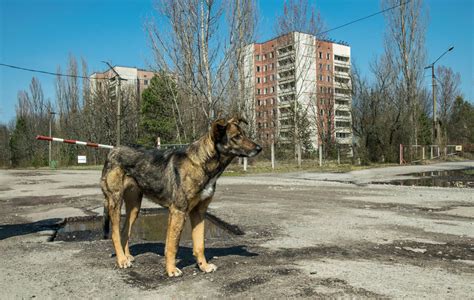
261	167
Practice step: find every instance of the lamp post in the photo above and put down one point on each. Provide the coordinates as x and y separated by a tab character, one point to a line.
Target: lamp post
436	129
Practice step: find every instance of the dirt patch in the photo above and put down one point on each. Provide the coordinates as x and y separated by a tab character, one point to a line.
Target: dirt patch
243	285
36	200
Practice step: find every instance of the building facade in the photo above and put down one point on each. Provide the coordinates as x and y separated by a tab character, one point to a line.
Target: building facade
297	72
136	80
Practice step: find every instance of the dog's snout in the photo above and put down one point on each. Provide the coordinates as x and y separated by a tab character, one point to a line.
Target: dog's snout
258	148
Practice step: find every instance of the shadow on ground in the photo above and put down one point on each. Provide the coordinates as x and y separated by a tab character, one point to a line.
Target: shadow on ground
185	254
11	230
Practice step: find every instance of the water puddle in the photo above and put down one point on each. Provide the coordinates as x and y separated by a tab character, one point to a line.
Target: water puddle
463	178
151	225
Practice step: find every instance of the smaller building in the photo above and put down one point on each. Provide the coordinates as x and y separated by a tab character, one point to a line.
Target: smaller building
135	79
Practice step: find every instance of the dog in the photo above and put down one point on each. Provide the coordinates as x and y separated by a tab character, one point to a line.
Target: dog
183	180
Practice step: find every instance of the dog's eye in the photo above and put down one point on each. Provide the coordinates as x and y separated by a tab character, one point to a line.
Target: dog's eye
238	137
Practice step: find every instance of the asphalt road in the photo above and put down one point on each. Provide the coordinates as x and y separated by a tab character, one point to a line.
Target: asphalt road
306	235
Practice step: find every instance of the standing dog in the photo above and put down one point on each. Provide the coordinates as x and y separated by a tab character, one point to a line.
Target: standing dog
182	180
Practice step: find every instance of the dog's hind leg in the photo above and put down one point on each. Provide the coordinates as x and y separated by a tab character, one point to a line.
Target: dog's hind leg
176	221
133	200
197	215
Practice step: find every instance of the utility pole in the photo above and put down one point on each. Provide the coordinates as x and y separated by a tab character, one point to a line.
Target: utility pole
436	137
119	102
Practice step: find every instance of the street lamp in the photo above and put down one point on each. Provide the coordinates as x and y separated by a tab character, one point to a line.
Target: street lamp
436	128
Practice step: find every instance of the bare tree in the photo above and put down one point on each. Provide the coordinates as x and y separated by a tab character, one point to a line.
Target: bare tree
405	50
447	92
198	41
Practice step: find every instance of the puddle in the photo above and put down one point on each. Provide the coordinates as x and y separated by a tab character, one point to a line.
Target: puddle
150	226
463	178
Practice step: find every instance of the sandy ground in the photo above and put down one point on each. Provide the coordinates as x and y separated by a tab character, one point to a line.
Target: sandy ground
307	235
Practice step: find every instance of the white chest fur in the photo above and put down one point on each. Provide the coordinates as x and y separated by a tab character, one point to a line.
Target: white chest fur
208	190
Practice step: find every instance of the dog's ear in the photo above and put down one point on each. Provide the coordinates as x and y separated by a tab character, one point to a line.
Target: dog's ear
218	129
237	120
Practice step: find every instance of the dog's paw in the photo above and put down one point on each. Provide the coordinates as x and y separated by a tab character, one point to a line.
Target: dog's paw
124	263
175	272
130	258
208	268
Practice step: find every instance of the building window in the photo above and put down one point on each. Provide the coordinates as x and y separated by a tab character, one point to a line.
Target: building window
258	91
265	91
264	57
321	101
270	54
321	112
273	90
342	135
329	67
320	66
320	55
328	56
257	57
265	68
320	77
258	79
258	68
321	89
329	78
145	82
273	77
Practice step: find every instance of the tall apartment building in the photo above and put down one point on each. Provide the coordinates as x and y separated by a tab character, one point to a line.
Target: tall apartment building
298	68
136	79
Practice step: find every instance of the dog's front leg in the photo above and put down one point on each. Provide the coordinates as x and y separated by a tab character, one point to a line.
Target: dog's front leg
176	221
197	222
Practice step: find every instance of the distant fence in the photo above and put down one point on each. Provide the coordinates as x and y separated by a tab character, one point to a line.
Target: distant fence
419	153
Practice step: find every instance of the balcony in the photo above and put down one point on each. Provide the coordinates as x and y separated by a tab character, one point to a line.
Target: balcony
286	92
342	74
286	79
345	64
344	141
283	55
286	67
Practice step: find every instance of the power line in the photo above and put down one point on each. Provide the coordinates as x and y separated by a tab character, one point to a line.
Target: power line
363	18
320	33
59	74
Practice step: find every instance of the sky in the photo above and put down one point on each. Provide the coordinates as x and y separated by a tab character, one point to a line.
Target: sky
42	34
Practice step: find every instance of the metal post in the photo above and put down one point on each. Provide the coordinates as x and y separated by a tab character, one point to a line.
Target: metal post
273	155
51	113
338	156
245	164
423	152
320	155
50	120
299	155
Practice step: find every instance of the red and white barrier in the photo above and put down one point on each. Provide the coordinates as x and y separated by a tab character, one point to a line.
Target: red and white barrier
88	144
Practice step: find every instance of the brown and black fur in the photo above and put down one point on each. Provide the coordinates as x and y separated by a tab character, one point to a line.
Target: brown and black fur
182	180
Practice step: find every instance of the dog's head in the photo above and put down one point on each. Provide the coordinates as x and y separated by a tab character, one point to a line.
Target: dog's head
230	138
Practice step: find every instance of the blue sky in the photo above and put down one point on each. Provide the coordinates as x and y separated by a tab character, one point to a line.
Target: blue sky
41	34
